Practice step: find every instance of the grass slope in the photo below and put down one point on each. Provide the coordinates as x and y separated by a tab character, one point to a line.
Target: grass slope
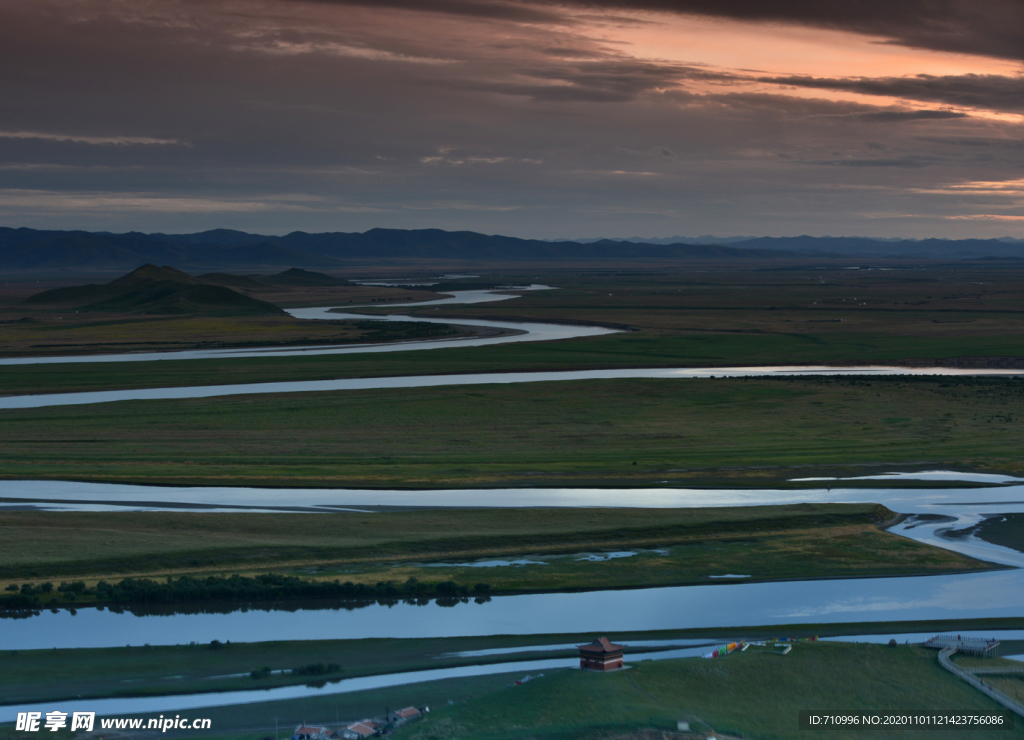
160	290
754	695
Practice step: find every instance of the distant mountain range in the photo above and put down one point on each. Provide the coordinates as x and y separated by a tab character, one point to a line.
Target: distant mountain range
711	239
223	249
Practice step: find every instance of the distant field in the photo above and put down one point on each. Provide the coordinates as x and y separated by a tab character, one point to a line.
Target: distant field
951	303
603	432
960	315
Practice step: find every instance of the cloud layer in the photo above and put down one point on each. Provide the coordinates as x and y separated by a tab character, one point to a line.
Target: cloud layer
603	117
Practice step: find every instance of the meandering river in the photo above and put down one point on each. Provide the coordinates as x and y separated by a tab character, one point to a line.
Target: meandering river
511	331
726	605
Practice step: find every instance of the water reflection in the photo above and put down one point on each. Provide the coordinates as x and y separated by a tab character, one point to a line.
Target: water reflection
79	496
937	513
966	596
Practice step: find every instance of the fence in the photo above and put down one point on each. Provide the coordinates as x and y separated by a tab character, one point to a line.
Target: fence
977	683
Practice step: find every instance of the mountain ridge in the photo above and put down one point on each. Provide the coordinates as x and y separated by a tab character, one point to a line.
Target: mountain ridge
225	249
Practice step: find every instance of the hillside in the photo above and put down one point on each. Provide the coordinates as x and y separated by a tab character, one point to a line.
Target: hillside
298	278
157	290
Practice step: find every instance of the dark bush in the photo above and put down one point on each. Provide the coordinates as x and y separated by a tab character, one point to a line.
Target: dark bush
316	669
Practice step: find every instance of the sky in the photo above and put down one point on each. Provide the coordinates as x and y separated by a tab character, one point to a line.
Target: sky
616	118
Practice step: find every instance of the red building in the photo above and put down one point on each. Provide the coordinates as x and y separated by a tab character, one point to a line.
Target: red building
601	655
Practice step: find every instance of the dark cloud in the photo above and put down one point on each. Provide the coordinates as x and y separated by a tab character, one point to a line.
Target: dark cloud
993	92
603	81
497	116
986	27
985	142
909	161
894	116
521	12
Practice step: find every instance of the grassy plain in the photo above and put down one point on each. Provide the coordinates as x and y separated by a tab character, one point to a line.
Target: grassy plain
623	432
735	432
677	546
702	316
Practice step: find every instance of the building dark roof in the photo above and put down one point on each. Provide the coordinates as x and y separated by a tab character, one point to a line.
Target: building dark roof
601	646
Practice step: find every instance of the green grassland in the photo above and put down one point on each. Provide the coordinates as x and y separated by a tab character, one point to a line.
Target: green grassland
754	694
621	432
142	670
53	675
677	546
939	304
748	432
719	318
751	694
1011	685
625	350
